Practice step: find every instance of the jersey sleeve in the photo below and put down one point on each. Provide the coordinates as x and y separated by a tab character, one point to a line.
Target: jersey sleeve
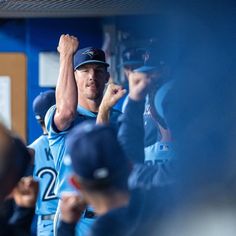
49	123
56	138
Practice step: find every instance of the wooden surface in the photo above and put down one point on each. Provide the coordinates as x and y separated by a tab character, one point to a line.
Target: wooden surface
14	66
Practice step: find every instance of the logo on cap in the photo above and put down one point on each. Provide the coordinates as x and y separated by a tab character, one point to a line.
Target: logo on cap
101	173
91	52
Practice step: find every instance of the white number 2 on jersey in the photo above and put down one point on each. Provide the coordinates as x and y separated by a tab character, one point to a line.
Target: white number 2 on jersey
49	190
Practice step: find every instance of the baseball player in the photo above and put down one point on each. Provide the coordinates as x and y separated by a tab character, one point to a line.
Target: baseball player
82	78
44	170
101	171
157	142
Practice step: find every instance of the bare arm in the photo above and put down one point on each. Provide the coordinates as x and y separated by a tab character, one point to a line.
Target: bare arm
66	90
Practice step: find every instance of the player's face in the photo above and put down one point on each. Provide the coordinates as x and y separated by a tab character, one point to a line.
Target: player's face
91	80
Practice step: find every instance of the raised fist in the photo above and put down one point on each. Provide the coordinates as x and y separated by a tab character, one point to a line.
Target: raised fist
139	84
67	45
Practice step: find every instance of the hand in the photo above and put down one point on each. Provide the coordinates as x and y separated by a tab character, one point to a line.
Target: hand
113	93
26	191
139	84
67	45
72	207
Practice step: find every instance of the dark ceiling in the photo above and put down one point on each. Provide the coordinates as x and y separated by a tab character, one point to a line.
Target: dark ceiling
75	8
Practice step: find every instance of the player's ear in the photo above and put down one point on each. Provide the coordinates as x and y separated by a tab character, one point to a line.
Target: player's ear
75	182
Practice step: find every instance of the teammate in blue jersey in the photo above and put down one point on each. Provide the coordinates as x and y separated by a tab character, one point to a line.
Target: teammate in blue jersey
44	170
157	141
79	96
132	58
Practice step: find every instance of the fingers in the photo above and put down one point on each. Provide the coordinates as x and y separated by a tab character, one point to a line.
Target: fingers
122	92
74	201
25	193
118	93
68	44
72	207
136	77
26	184
27	181
113	93
139	84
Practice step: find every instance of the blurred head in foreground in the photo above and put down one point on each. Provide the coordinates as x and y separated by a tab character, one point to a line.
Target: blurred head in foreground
14	161
98	161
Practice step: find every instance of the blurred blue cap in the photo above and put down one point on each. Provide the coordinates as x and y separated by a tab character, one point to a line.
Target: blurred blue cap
89	55
152	62
133	57
42	103
96	154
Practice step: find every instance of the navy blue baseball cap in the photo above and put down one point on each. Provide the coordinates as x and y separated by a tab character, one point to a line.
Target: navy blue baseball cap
96	154
133	56
42	103
152	62
89	55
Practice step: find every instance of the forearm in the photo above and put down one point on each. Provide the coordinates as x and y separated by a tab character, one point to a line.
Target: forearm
131	131
66	94
103	115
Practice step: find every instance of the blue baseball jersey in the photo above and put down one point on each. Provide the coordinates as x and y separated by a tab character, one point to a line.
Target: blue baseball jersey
57	144
45	173
58	147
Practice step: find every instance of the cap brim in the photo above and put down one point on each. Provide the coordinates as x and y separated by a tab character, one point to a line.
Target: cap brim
90	62
146	69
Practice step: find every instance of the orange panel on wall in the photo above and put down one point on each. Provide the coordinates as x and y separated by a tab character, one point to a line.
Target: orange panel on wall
13	66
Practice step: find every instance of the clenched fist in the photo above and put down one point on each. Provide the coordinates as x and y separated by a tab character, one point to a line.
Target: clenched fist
67	45
139	85
26	191
72	207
